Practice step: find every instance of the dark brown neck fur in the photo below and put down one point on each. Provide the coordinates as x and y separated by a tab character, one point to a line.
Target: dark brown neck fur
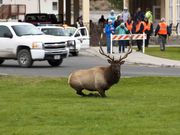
112	76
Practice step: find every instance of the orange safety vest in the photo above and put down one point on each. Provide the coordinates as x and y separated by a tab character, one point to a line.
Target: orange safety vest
147	26
163	28
129	26
138	26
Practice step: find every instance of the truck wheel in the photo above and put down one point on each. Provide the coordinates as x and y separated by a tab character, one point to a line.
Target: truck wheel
55	63
75	53
24	58
1	61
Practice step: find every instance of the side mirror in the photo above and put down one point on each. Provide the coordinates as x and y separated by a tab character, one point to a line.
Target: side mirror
8	35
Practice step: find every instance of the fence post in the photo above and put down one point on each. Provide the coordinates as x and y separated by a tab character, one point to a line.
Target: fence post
111	47
144	38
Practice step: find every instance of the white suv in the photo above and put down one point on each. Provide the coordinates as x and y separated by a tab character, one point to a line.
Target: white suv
25	43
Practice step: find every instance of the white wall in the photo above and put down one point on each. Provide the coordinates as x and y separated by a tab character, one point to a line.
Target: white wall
32	6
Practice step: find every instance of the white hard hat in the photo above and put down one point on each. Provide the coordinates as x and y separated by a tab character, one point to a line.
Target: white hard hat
112	11
163	19
109	20
125	8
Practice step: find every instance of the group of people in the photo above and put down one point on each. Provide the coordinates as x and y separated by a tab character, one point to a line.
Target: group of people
140	23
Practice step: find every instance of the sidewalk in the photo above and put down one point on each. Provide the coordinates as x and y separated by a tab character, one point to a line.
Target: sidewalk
137	58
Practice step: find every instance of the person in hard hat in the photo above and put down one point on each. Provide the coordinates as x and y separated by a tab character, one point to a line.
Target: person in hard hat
162	30
112	16
125	14
109	29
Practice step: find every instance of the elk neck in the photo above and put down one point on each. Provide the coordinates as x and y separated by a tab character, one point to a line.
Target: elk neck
113	74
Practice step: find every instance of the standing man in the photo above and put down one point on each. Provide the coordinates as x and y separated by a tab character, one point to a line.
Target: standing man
125	14
112	16
109	29
148	29
139	28
162	30
129	24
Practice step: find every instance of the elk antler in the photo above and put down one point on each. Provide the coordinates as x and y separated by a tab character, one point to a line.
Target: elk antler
129	50
102	52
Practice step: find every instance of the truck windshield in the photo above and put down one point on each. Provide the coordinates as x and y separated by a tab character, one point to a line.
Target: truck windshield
54	31
22	30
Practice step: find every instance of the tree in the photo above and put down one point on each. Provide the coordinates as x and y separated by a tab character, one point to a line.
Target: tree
117	4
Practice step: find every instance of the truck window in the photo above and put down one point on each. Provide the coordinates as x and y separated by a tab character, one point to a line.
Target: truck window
4	31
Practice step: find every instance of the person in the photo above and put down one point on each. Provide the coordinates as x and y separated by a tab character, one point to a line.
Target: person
125	14
112	16
79	23
129	24
139	14
148	15
139	27
162	30
102	21
118	21
121	29
109	29
148	29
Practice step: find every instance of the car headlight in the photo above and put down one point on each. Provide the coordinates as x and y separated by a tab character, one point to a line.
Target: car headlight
71	43
37	45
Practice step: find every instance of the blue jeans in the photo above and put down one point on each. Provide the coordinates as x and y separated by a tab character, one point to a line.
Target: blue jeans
108	44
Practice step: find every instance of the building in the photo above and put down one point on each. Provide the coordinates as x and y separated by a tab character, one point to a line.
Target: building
170	9
30	6
70	9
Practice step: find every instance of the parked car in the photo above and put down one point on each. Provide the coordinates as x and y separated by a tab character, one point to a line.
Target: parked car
25	43
72	33
43	18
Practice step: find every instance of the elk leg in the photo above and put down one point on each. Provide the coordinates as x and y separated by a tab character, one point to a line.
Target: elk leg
79	92
102	93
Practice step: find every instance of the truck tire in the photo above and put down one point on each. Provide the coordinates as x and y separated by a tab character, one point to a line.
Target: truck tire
1	61
24	58
75	53
55	63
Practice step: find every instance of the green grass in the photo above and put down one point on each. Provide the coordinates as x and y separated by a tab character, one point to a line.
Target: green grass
170	52
48	106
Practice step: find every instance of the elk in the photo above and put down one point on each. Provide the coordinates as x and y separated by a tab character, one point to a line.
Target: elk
98	78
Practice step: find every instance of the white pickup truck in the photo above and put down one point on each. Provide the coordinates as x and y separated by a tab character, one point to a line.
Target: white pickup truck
25	43
79	35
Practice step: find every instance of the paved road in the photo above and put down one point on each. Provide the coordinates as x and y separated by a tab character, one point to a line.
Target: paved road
70	64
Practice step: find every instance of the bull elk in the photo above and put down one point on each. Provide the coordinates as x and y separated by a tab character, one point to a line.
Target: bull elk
98	78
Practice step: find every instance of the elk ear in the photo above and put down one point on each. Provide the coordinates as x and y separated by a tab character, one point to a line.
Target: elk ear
122	62
109	61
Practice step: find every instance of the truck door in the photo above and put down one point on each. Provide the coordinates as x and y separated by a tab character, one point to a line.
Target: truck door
83	37
6	42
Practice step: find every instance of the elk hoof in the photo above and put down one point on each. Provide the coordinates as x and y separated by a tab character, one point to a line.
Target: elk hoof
93	95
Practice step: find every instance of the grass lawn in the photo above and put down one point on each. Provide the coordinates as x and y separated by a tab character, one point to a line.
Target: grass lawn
48	106
170	53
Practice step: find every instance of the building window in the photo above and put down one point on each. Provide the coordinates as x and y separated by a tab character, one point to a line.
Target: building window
1	1
54	5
